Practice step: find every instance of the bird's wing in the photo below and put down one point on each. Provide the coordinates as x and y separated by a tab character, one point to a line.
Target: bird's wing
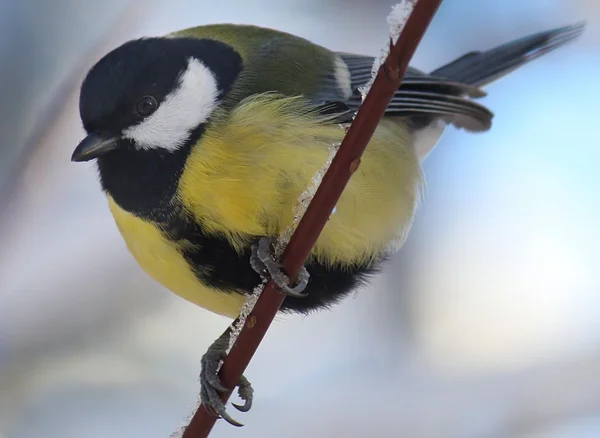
279	62
421	97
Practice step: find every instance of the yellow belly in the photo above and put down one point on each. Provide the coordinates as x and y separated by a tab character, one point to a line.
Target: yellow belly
161	260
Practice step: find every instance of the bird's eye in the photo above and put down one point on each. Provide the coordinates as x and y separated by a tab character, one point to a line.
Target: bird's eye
145	106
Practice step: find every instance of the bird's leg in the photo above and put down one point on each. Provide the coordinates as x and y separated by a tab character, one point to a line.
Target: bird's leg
262	261
211	385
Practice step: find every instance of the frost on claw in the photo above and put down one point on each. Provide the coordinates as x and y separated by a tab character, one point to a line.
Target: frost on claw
396	21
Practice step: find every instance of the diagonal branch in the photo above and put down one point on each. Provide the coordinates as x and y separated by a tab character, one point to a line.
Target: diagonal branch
346	162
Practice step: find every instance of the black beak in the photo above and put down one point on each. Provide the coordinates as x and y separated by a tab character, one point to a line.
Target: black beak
93	146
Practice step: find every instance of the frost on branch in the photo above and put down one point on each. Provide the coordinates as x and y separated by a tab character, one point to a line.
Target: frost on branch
396	21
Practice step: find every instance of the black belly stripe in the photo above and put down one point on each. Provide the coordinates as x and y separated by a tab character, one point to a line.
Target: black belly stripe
217	264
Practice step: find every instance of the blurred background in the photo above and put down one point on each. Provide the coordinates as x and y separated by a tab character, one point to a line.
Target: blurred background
486	325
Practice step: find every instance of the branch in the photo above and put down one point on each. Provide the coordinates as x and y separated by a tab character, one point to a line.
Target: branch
344	164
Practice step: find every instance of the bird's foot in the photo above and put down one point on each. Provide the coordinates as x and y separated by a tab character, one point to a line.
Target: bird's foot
211	386
262	261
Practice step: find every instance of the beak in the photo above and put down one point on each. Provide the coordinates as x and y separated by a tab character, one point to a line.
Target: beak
93	146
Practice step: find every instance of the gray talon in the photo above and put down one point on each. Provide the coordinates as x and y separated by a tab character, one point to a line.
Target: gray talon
206	395
262	262
210	364
225	416
246	393
255	261
211	386
282	281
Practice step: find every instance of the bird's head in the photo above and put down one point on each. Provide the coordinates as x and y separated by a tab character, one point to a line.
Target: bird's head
153	94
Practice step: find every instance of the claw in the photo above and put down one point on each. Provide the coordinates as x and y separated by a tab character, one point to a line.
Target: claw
256	262
283	280
243	408
225	416
205	397
262	262
245	392
210	366
211	386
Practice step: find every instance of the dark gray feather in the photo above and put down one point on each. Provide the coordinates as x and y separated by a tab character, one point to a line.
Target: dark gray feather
481	68
424	96
447	92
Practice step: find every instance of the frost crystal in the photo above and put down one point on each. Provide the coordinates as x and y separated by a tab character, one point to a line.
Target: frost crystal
304	201
246	309
184	424
396	21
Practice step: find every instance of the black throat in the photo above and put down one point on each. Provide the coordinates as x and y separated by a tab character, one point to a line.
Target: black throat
144	182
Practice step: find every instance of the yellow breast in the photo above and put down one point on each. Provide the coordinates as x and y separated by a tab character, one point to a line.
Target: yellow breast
161	260
247	172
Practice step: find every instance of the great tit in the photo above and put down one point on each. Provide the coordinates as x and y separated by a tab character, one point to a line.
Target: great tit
205	139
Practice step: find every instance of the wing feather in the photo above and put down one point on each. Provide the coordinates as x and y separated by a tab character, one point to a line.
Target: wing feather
423	96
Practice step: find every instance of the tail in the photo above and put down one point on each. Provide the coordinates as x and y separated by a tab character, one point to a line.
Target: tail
481	68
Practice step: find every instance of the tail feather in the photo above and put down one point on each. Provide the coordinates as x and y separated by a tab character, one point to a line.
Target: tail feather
481	68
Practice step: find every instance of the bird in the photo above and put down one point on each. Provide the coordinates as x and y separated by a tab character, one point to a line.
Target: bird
204	139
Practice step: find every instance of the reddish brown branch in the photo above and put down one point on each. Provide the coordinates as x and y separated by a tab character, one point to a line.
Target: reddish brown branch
343	165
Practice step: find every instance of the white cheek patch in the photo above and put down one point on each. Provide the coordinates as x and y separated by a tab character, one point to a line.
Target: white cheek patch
183	110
